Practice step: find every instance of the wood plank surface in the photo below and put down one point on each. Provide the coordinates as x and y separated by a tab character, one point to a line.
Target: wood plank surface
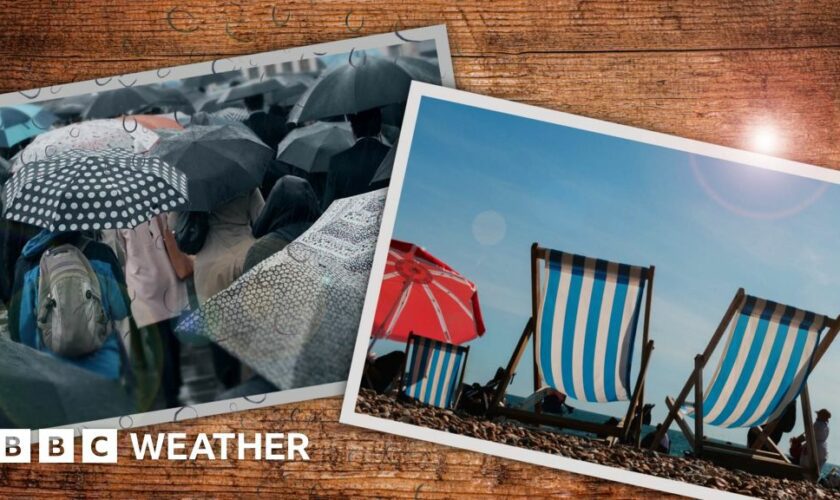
711	70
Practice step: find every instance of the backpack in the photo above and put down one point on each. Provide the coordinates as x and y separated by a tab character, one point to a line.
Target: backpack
70	315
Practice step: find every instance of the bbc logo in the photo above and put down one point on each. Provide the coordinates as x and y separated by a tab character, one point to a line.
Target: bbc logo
56	446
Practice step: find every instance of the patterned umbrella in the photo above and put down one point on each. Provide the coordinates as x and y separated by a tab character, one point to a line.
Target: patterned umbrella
421	294
90	190
20	122
312	147
294	317
93	135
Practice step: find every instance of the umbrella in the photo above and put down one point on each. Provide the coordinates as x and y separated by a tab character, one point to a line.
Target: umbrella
383	172
125	101
420	69
294	317
93	135
211	78
69	107
279	85
90	190
354	87
40	390
220	161
20	122
421	294
312	147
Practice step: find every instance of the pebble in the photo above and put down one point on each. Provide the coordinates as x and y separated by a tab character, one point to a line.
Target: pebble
690	470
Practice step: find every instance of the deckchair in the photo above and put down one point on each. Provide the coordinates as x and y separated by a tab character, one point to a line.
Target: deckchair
584	319
770	351
435	371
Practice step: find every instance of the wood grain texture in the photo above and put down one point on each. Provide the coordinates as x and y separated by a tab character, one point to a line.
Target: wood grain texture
711	70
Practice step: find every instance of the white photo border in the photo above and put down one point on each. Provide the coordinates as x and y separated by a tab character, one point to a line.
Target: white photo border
417	93
436	33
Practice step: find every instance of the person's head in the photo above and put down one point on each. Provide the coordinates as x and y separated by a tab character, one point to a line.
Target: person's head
367	123
254	102
292	202
823	415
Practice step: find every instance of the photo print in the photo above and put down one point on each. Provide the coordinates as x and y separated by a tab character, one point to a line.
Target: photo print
602	299
196	240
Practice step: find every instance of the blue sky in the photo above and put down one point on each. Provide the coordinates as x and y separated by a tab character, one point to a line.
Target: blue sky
481	186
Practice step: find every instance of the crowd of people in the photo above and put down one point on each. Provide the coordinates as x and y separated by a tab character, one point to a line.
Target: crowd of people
152	275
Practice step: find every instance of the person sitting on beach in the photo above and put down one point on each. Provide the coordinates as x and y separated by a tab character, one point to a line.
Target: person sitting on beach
664	445
821	437
290	209
783	424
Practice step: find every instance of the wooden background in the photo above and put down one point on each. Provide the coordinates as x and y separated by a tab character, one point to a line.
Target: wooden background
712	70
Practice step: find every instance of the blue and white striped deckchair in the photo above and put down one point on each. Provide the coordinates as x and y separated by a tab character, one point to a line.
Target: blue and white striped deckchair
434	371
764	366
584	320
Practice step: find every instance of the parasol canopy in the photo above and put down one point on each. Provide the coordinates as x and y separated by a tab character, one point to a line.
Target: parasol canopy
422	294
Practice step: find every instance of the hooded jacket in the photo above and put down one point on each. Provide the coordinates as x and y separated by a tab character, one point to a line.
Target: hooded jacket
291	208
108	360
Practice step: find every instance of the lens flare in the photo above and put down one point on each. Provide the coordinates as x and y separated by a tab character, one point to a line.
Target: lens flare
766	139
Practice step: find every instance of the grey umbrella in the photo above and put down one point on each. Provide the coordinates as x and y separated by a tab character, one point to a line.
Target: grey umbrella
369	83
312	147
294	317
39	390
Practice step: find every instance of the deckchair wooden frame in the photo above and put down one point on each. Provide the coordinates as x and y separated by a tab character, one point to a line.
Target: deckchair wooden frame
754	458
401	393
626	426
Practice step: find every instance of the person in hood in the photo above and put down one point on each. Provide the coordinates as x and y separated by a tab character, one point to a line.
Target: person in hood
108	360
291	208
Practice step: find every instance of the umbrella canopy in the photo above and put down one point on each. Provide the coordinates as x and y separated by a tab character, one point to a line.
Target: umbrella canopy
294	317
312	147
40	391
421	294
20	122
125	101
92	135
354	87
69	107
91	190
420	69
280	88
220	162
153	122
383	172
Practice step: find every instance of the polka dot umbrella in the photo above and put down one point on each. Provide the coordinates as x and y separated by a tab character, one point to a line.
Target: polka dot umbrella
90	190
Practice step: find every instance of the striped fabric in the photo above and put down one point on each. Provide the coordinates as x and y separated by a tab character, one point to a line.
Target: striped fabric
434	371
586	326
764	366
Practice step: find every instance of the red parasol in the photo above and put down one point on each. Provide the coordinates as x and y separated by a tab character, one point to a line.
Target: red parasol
423	295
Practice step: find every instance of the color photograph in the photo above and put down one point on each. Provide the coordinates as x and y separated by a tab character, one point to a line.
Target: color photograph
196	245
581	291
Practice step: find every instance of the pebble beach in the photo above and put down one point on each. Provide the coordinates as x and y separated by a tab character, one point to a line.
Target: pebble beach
691	470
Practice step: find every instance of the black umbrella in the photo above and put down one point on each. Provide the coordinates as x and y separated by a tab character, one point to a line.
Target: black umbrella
89	190
40	390
280	90
312	147
220	162
114	103
420	69
356	86
383	173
